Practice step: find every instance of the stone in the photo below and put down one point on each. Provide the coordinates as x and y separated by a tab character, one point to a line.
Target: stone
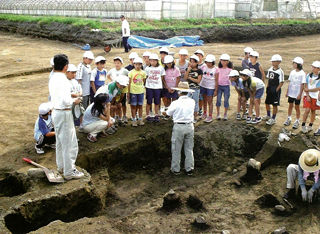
253	174
280	231
225	232
254	164
280	207
201	223
37	173
171	200
234	171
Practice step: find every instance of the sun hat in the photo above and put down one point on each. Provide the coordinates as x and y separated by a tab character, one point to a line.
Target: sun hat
254	54
44	108
276	58
298	60
183	52
52	61
118	58
133	55
195	57
199	52
309	160
122	80
248	50
88	54
154	56
183	87
316	64
146	54
164	49
138	60
99	59
234	73
168	59
210	58
72	68
225	57
246	72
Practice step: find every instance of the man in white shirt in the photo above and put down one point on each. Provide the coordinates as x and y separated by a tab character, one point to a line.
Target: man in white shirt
66	139
182	111
125	34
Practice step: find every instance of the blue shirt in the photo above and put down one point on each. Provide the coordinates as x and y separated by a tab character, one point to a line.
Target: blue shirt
42	127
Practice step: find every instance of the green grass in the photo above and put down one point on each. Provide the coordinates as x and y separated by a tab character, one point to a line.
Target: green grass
148	25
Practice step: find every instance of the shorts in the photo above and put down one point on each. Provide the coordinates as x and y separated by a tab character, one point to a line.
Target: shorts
294	100
166	94
153	95
273	97
311	105
259	93
136	99
205	91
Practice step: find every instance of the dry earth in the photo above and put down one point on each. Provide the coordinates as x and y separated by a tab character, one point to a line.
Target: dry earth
227	207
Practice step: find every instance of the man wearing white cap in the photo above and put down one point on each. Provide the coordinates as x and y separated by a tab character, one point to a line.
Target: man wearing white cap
125	34
83	77
182	112
306	171
66	139
43	129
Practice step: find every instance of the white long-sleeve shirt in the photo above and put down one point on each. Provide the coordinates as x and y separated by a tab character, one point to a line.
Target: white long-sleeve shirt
125	28
60	91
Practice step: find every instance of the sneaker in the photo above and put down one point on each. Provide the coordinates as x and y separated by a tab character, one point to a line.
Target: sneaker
266	118
238	116
91	138
167	117
208	119
225	117
134	124
175	172
125	119
52	146
140	122
110	131
189	173
195	120
203	116
309	128
317	133
258	119
103	134
244	116
253	113
218	117
271	122
39	150
114	127
288	122
80	129
304	129
254	121
156	119
149	119
75	174
248	119
60	170
296	124
121	124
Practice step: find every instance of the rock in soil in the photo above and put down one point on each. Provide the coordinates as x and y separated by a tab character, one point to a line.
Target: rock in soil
171	201
253	174
268	200
201	223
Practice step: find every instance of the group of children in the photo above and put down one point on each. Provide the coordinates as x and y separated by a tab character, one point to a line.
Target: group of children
157	76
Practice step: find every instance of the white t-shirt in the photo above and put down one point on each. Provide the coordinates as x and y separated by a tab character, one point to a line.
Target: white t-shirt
84	74
125	25
296	79
313	83
208	80
115	73
182	69
154	74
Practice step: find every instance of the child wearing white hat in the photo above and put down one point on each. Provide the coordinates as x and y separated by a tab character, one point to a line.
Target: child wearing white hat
145	57
98	76
255	67
295	90
246	59
43	129
182	63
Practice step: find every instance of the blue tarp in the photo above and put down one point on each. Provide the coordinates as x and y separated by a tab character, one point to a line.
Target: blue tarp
145	42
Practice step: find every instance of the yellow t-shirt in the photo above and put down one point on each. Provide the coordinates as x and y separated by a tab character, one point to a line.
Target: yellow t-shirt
136	81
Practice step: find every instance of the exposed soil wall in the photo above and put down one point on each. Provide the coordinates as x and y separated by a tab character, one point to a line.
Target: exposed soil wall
70	33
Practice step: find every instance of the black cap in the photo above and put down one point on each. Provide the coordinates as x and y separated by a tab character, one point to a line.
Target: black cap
122	16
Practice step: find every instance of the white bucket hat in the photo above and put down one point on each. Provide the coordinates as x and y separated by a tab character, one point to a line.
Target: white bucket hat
309	160
276	58
183	52
146	54
100	58
72	68
210	58
154	56
233	73
195	57
183	87
118	58
122	80
164	49
138	60
199	52
44	108
133	55
316	64
88	54
254	54
246	72
225	57
248	50
298	60
168	59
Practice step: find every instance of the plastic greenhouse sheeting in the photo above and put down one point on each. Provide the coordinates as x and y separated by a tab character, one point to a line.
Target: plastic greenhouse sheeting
145	42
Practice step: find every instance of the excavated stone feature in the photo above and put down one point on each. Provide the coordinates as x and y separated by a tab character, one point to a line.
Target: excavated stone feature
46	202
14	184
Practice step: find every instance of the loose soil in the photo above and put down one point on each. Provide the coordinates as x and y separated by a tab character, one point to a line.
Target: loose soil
134	198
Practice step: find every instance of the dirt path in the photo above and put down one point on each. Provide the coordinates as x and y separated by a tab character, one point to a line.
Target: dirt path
20	97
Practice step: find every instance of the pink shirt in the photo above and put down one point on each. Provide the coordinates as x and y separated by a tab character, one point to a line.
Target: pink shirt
223	76
171	76
208	80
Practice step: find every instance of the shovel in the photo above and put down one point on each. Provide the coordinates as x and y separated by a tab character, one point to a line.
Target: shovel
51	175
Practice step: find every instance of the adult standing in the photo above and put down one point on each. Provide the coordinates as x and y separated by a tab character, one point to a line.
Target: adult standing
125	34
181	111
66	139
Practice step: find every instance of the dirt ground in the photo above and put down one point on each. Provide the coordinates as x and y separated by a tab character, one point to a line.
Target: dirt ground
21	95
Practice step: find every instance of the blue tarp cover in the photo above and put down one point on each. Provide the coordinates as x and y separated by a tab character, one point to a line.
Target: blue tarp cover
145	42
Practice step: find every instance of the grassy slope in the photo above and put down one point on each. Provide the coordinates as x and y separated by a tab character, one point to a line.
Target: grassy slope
145	25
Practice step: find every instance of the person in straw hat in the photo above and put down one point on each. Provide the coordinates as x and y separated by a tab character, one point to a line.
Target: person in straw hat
182	111
308	169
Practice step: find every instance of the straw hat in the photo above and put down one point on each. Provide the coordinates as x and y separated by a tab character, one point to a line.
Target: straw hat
309	160
183	87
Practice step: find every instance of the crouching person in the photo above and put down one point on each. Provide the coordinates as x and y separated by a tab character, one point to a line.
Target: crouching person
43	129
97	117
307	170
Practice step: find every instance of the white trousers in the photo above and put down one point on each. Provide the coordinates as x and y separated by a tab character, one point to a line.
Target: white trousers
66	140
96	127
292	175
182	134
